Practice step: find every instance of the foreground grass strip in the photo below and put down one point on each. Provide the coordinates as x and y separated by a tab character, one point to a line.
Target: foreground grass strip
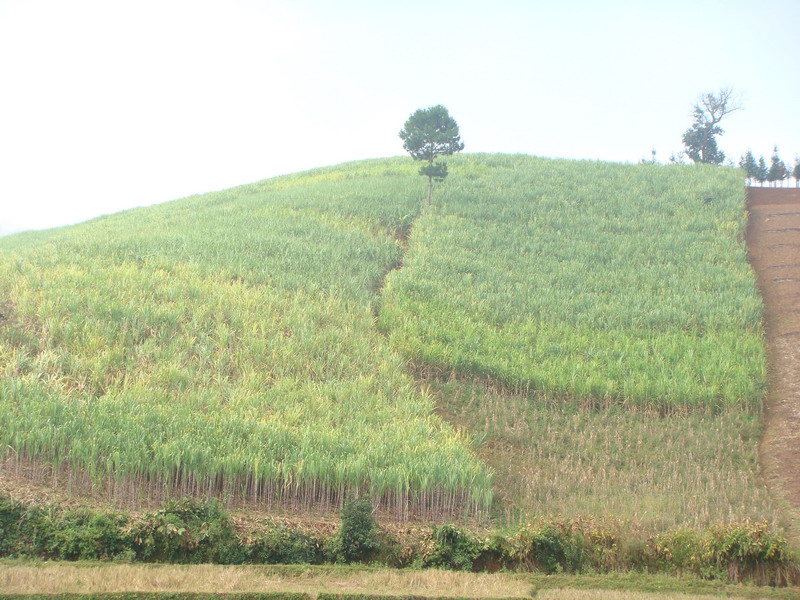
380	597
66	578
643	585
254	583
547	595
157	596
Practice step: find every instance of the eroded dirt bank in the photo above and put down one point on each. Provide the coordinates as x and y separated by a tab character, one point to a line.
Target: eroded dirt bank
773	238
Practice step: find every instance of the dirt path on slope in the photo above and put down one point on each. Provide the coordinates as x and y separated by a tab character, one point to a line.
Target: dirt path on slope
773	238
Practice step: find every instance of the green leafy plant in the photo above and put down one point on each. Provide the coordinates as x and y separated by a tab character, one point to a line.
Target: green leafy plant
357	538
88	535
451	548
283	545
188	531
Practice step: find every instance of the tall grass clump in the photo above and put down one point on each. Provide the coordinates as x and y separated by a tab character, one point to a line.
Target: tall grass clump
224	345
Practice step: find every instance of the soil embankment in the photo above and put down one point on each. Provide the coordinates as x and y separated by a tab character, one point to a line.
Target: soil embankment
773	238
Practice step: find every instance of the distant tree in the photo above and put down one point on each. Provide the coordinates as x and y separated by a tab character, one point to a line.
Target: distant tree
777	170
750	166
650	161
427	134
796	172
677	159
761	171
701	146
700	139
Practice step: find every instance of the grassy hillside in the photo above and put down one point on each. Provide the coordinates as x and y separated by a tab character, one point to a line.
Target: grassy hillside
225	343
229	343
599	282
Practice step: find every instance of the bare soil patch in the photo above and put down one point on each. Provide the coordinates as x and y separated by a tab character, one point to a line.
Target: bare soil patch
773	238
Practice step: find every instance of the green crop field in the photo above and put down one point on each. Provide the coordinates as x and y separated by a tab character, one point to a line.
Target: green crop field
600	282
227	343
262	342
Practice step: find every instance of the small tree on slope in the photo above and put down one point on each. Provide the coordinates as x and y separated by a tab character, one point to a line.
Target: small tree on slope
428	133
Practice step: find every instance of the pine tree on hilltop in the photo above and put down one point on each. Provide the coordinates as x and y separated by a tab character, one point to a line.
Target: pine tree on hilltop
761	171
750	166
777	170
427	134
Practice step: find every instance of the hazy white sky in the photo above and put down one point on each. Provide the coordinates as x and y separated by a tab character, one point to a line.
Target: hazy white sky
109	104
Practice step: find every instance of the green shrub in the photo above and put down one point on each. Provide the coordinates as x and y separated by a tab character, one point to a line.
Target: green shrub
88	535
451	548
10	515
193	531
731	552
678	551
281	545
32	534
748	550
563	546
188	531
357	539
749	543
545	549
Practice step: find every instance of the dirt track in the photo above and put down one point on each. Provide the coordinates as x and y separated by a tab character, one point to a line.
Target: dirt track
773	237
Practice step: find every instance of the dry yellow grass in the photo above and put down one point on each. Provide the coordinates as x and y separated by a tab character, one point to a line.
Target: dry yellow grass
565	594
63	578
649	471
215	578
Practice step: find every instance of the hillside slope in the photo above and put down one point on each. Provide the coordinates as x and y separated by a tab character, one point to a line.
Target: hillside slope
593	281
564	322
225	344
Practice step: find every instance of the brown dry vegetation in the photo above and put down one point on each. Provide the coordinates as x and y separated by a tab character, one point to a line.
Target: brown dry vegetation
639	471
214	578
63	578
